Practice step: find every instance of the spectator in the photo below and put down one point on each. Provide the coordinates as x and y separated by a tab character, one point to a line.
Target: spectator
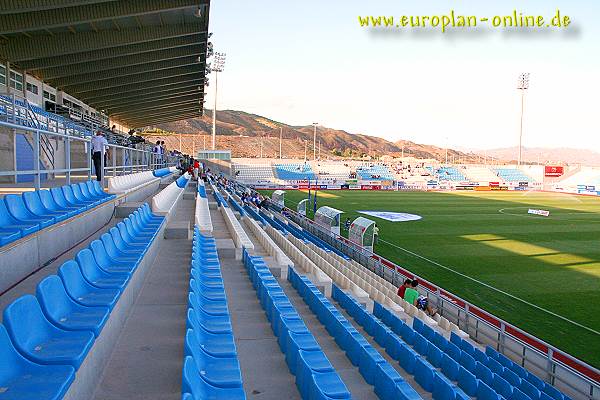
347	224
412	296
99	149
403	287
163	152
157	152
196	168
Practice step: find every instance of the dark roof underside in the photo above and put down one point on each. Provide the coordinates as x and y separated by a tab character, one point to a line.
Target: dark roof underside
142	62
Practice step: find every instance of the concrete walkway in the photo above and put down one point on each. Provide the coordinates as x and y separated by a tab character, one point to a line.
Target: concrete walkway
147	359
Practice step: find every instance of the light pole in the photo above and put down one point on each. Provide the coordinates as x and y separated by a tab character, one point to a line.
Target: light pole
522	85
315	141
280	142
218	65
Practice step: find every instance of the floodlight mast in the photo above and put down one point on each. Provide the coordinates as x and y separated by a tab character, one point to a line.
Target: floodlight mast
522	85
315	141
218	65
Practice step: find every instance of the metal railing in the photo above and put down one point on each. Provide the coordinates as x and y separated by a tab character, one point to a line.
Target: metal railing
123	160
530	352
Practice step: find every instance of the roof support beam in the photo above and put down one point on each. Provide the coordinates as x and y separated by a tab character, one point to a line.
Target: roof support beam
121	62
81	14
111	74
158	104
67	43
132	80
161	113
52	63
110	98
156	97
20	6
160	108
162	120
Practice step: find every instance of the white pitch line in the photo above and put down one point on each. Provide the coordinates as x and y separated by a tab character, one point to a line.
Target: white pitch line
493	288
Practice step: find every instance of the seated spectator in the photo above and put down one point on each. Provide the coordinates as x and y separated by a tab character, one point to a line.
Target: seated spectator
403	287
412	296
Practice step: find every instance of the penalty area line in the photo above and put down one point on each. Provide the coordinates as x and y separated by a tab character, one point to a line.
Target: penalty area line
491	287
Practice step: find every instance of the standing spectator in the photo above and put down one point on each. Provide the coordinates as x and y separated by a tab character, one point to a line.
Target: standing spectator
156	151
375	234
99	149
196	169
163	148
347	224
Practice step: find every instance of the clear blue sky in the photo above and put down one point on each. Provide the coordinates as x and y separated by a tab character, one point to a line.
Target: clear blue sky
309	61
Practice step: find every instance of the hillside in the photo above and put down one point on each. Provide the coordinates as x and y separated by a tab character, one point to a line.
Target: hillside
243	133
549	156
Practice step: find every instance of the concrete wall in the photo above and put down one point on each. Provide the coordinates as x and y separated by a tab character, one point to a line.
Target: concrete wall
7	153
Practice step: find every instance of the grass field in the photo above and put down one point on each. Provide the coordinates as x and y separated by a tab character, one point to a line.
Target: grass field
468	239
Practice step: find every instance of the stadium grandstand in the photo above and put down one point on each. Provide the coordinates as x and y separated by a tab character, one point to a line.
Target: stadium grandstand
125	274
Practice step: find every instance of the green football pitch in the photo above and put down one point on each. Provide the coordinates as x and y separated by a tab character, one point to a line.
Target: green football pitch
541	274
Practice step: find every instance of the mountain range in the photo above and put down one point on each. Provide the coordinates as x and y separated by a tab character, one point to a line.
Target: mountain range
252	135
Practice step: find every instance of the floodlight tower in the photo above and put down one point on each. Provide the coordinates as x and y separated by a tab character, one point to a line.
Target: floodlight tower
522	85
218	65
315	141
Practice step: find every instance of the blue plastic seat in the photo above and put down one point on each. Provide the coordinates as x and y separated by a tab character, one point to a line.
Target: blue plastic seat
22	379
64	312
8	235
309	363
455	339
540	384
80	290
328	385
58	194
519	395
483	373
453	351
467	382
424	374
34	206
16	207
95	187
216	345
530	390
467	347
82	198
40	341
484	392
83	188
449	367
494	366
115	253
386	379
467	361
406	392
408	358
10	225
125	246
434	356
369	358
193	383
502	387
131	240
511	377
421	344
407	333
106	263
223	372
549	390
49	203
95	275
443	388
69	194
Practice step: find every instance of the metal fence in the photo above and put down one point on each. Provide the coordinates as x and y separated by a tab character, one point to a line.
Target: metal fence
122	160
553	365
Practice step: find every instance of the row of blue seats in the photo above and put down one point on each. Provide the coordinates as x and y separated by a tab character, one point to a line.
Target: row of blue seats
182	181
201	190
424	372
45	338
211	368
219	198
22	215
235	205
476	374
162	172
252	212
280	226
373	367
508	379
316	378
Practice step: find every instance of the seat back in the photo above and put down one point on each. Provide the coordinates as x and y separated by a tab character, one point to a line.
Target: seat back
424	374
467	361
5	217
511	377
494	366
191	382
70	196
16	207
78	194
484	392
33	203
85	191
529	390
467	381
421	344
88	265
25	323
449	367
53	298
48	201
100	254
74	282
502	387
434	355
454	338
118	240
124	232
109	245
13	362
483	373
442	389
519	395
453	351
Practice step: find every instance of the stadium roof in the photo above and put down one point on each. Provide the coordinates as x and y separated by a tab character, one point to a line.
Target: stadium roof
142	62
